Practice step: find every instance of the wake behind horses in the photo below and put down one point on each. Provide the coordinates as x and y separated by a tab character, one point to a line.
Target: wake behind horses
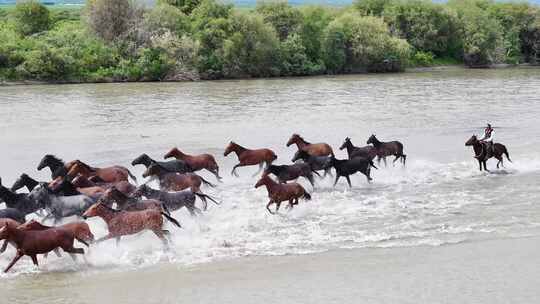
78	190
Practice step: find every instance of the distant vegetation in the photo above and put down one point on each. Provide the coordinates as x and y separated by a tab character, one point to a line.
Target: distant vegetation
205	39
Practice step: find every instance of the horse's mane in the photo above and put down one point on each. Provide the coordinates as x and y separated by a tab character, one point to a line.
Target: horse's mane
54	158
301	138
86	166
110	208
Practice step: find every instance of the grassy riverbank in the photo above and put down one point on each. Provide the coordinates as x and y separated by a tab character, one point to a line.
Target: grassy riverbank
189	40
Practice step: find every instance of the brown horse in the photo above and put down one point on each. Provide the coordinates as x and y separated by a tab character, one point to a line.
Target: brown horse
34	242
482	154
111	174
249	157
196	162
385	149
318	149
123	186
128	203
121	223
170	181
278	193
80	230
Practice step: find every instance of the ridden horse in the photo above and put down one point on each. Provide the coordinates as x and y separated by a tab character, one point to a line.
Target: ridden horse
123	186
286	173
385	149
368	152
316	163
169	181
24	181
19	201
278	193
34	242
174	165
249	157
318	149
56	165
482	154
111	174
129	203
60	206
175	200
347	167
121	223
196	162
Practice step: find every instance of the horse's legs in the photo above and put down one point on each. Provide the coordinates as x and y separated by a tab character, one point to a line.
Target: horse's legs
311	180
397	156
348	181
233	171
480	164
268	206
4	246
485	166
337	178
404	158
57	252
258	171
159	233
34	260
278	204
385	164
15	259
108	236
500	161
118	240
216	173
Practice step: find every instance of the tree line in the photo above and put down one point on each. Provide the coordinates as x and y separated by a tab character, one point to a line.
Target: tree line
119	40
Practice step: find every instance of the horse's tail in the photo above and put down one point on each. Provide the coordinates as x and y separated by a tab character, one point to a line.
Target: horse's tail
274	156
507	155
204	197
207	183
306	196
165	209
131	176
372	164
317	173
82	241
171	219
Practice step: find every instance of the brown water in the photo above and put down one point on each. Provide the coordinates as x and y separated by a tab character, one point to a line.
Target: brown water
438	198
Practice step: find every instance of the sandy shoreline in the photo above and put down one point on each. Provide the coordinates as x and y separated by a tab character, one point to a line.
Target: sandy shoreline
492	271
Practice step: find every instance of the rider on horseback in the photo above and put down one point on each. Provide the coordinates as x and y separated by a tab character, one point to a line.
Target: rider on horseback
487	139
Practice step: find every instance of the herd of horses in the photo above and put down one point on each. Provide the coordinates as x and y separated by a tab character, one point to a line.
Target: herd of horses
78	189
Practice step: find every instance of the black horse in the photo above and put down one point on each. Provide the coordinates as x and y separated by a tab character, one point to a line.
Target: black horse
347	167
174	200
19	201
385	149
24	181
286	173
316	163
174	165
60	206
368	152
55	164
64	188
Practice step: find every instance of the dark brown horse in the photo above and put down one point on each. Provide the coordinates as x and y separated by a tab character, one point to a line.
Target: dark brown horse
111	174
385	149
249	157
170	181
196	162
82	182
368	152
121	223
129	203
279	193
318	149
56	165
34	242
482	154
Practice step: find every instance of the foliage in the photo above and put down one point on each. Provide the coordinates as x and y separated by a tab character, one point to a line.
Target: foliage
186	6
166	18
371	7
284	18
315	20
31	17
111	20
423	59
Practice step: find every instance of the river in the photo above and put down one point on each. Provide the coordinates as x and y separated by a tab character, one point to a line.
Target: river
438	198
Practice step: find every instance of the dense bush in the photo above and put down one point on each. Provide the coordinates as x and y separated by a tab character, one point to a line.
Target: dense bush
111	20
31	17
186	6
371	7
166	18
284	18
354	43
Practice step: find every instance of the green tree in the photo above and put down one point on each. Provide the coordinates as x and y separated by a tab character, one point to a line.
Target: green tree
164	17
371	7
186	6
31	17
315	20
284	18
111	20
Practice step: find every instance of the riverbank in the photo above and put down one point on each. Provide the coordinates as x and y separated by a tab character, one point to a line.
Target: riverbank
492	271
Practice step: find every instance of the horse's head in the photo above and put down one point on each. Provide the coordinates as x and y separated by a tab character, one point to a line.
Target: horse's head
372	139
346	143
263	181
229	148
153	169
94	210
4	232
294	138
174	151
140	160
45	161
20	182
108	198
472	141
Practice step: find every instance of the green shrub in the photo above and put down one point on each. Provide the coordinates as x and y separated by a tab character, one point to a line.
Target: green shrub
186	6
423	59
315	20
31	17
166	18
294	60
284	18
371	7
112	20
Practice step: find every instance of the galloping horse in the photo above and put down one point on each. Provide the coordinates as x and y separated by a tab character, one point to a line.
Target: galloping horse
279	193
56	165
385	149
111	174
174	165
196	162
347	167
124	186
170	181
482	154
129	203
318	149
368	152
249	157
24	181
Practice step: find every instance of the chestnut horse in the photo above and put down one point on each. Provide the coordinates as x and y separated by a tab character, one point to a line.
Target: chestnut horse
196	162
278	193
34	242
318	149
249	157
121	223
123	186
9	222
482	154
169	181
111	174
385	149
